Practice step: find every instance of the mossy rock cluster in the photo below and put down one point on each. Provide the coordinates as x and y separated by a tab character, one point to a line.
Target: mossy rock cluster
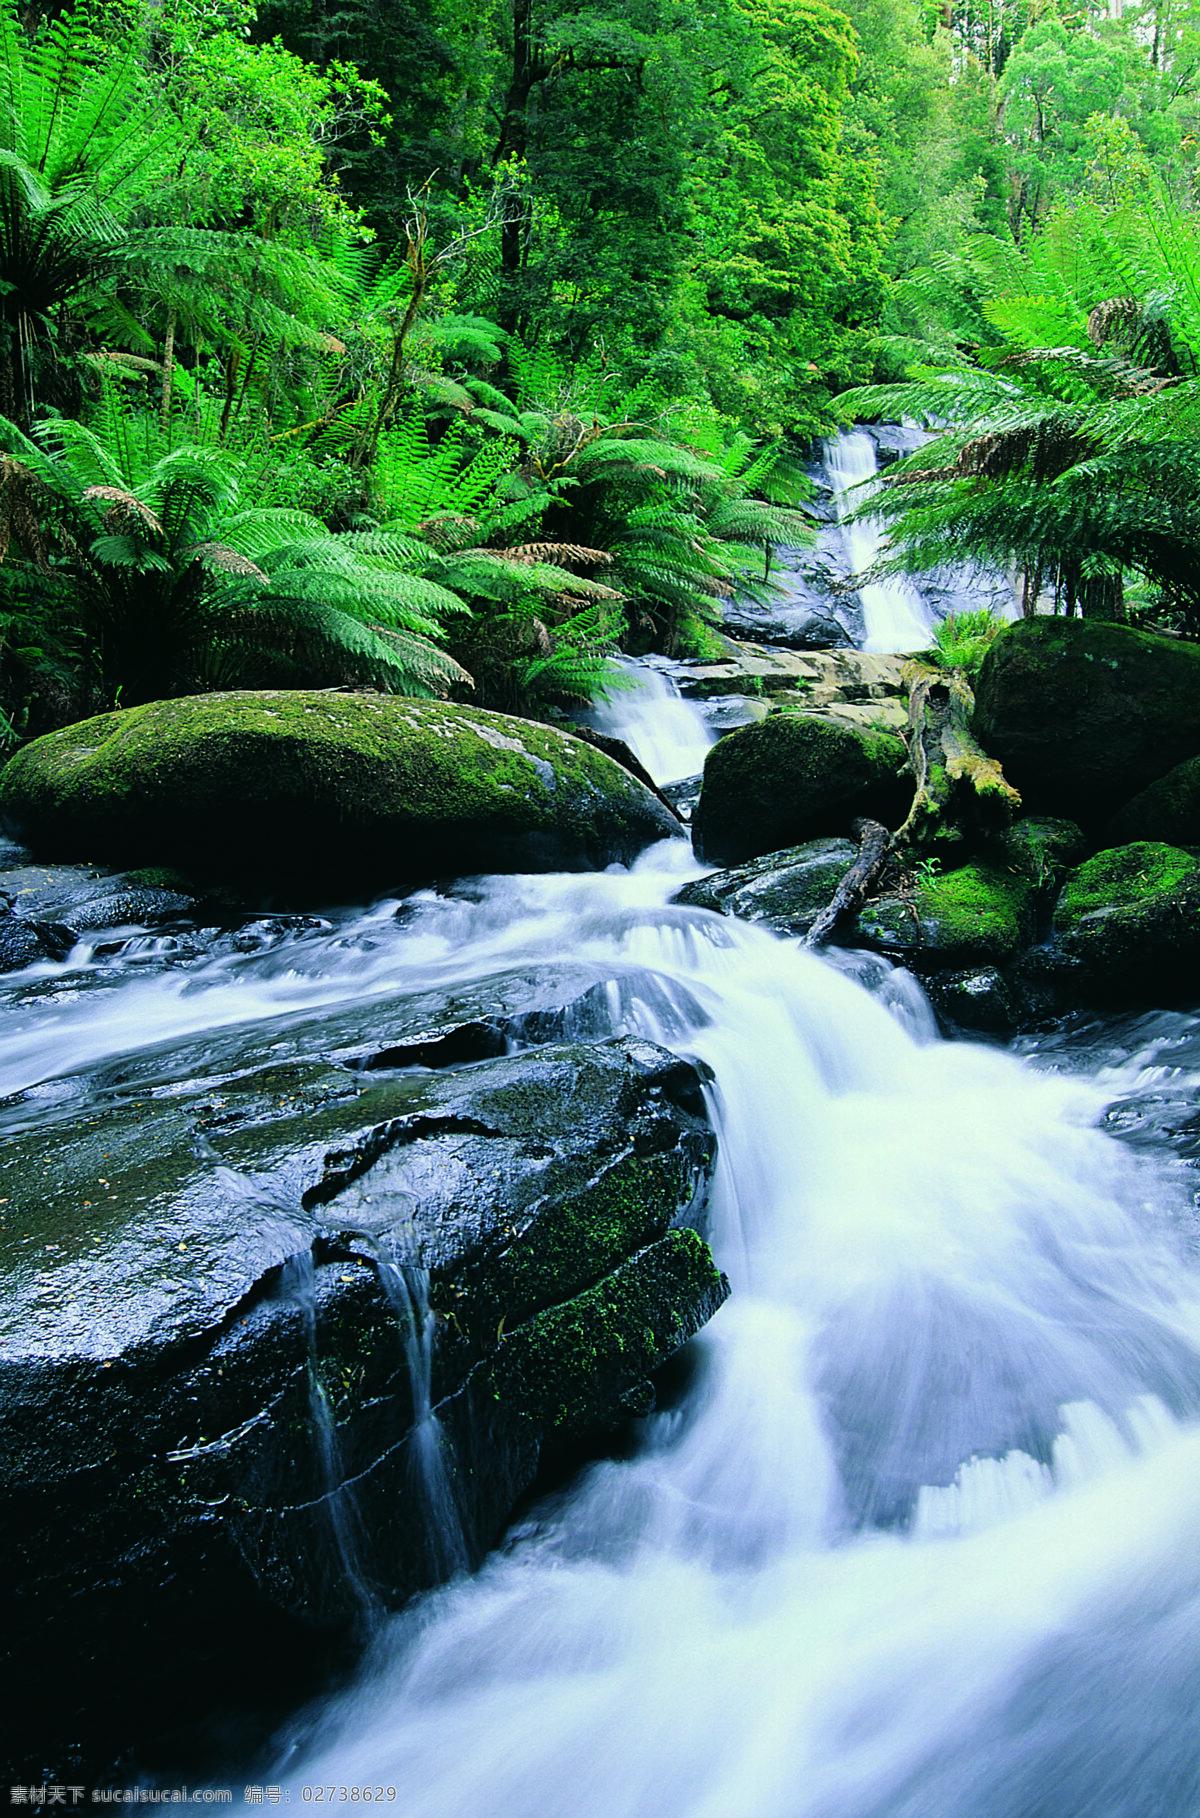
1085	715
325	792
792	778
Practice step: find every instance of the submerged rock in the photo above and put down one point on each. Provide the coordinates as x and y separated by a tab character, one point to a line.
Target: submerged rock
794	777
1083	714
321	793
283	1338
1128	924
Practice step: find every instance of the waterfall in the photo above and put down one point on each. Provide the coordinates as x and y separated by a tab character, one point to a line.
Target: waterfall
669	735
895	617
923	1538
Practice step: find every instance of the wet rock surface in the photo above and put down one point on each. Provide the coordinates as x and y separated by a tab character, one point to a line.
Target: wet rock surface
290	1319
785	890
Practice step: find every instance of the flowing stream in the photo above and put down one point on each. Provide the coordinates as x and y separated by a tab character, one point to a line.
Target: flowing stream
922	1537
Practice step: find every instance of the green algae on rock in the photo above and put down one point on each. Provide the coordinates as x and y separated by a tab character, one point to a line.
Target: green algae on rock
325	791
1084	714
1129	920
794	777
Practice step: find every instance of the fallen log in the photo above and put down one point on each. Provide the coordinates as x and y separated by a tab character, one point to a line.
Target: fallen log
874	844
961	792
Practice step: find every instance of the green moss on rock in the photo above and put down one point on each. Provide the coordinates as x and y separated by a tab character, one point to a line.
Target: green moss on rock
568	1367
1168	810
1130	919
1083	715
978	915
792	778
277	787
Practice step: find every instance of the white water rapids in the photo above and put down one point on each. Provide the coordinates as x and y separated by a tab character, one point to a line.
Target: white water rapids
922	1538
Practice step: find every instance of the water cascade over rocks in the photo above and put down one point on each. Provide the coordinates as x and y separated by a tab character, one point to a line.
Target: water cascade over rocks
916	1533
895	617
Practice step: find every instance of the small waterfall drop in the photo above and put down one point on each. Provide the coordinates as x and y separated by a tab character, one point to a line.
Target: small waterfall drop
895	617
669	735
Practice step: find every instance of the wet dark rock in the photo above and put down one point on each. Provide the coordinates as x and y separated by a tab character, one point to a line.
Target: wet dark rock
210	1260
316	794
1167	811
1128	924
980	1002
23	943
795	777
683	795
1084	715
787	890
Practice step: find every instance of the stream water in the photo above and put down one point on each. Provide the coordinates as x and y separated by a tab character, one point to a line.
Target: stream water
922	1539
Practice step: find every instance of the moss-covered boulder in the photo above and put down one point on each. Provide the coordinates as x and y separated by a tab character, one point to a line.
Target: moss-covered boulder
980	915
1083	715
1128	923
795	777
786	890
1042	849
283	1338
325	792
1168	811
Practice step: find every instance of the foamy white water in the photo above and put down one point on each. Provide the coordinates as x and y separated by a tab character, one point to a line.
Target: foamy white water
895	617
925	1536
669	735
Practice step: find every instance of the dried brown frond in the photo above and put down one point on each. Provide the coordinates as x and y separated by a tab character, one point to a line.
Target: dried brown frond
557	552
1114	316
224	560
124	505
23	500
449	530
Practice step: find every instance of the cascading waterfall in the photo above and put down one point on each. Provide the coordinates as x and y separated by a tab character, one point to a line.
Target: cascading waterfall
407	1288
669	735
895	617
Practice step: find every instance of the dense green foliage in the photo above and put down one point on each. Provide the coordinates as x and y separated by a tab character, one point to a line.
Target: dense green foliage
464	346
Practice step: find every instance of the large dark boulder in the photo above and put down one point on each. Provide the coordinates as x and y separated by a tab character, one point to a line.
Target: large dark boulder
325	792
284	1336
792	778
1127	925
1168	811
1083	715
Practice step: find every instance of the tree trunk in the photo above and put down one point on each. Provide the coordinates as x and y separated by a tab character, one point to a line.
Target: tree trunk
961	791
